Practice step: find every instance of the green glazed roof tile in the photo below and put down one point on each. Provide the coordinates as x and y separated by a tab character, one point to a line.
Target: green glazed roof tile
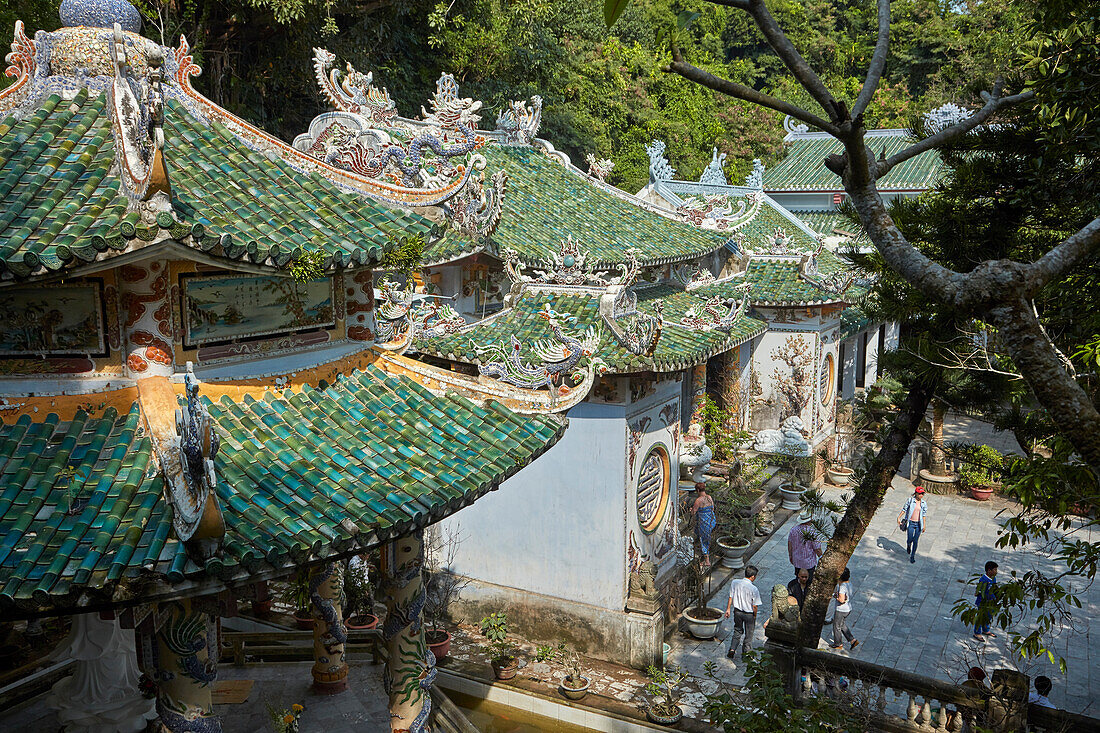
376	449
803	166
545	203
678	347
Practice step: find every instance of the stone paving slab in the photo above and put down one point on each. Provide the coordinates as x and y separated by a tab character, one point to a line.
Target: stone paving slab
902	612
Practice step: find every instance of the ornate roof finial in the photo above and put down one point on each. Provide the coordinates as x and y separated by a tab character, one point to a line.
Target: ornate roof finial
756	178
944	116
659	168
713	174
100	14
599	168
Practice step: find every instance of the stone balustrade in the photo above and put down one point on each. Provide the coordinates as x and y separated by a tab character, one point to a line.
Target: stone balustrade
902	702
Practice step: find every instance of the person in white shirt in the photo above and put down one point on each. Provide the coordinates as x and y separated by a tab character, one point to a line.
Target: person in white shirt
1038	696
843	596
745	600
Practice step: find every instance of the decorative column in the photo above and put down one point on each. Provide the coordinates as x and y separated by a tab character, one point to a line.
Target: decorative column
186	668
410	668
330	671
695	454
146	319
359	289
102	694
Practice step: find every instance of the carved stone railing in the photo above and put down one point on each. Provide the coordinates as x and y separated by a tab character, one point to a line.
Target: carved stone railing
890	700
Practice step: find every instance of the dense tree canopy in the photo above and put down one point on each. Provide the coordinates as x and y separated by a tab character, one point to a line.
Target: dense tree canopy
604	90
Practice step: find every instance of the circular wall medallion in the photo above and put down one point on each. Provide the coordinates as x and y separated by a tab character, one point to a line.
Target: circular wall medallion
826	379
654	485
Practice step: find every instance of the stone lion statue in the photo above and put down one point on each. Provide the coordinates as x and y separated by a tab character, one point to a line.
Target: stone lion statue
782	609
643	588
789	439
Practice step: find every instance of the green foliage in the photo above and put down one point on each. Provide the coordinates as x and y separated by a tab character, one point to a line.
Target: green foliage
495	628
769	708
565	656
981	466
734	519
309	265
716	421
358	591
404	256
664	685
296	593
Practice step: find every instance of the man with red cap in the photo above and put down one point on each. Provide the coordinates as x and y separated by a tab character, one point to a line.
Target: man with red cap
911	521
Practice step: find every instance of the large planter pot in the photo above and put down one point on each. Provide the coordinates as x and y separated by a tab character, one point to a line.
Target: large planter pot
504	669
733	552
439	648
792	496
839	475
361	622
262	608
575	693
661	718
304	620
705	624
981	493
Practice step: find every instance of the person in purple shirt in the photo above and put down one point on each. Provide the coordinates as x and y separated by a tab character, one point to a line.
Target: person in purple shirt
803	546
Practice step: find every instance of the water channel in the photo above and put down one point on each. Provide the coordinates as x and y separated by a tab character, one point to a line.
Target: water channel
490	717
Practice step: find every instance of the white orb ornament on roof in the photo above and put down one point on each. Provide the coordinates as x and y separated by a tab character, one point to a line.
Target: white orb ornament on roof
100	14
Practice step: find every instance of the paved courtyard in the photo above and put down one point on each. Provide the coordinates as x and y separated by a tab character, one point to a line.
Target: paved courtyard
902	612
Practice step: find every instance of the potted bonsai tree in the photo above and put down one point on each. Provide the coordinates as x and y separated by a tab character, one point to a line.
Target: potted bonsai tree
297	597
701	620
443	586
981	470
574	685
735	528
662	686
791	488
358	595
502	653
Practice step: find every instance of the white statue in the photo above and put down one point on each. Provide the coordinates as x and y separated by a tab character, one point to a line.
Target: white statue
788	440
102	694
695	454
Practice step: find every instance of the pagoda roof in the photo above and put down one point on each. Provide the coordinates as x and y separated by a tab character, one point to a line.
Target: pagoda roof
803	166
782	280
302	477
549	200
678	347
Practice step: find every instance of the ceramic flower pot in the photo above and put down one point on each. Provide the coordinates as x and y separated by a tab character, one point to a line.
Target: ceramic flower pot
441	647
575	693
702	624
981	493
361	622
661	715
792	496
839	475
304	620
504	669
733	552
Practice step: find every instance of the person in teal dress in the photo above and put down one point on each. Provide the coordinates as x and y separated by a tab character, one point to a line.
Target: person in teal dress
703	509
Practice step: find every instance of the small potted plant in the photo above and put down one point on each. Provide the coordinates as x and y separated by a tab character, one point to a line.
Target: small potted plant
790	489
981	470
443	586
574	685
358	596
297	597
285	720
701	620
662	685
735	527
502	653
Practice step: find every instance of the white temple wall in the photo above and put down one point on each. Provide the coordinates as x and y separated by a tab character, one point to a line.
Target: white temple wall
557	527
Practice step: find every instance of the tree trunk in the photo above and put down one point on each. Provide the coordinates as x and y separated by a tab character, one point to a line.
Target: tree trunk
939	465
861	508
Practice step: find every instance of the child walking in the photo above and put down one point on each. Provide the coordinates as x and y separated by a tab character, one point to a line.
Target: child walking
843	596
984	599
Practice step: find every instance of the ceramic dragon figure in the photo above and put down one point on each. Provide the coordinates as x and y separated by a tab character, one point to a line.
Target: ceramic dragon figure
351	90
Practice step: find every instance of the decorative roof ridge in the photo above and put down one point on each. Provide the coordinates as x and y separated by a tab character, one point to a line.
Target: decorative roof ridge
796	131
258	139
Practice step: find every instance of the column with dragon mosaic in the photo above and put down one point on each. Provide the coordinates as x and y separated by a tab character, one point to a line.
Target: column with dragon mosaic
186	651
330	671
146	319
695	454
410	666
359	306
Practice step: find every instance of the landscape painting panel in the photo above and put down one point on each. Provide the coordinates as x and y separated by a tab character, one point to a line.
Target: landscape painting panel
221	308
51	319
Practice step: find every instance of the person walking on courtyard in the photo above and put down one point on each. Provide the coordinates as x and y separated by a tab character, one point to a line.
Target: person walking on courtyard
703	509
911	521
843	596
984	599
803	546
745	600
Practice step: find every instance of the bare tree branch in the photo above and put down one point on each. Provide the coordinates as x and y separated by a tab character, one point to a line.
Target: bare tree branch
790	56
740	91
742	4
994	102
878	61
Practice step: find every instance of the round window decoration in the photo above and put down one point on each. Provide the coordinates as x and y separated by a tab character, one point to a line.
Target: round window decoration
654	486
826	379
